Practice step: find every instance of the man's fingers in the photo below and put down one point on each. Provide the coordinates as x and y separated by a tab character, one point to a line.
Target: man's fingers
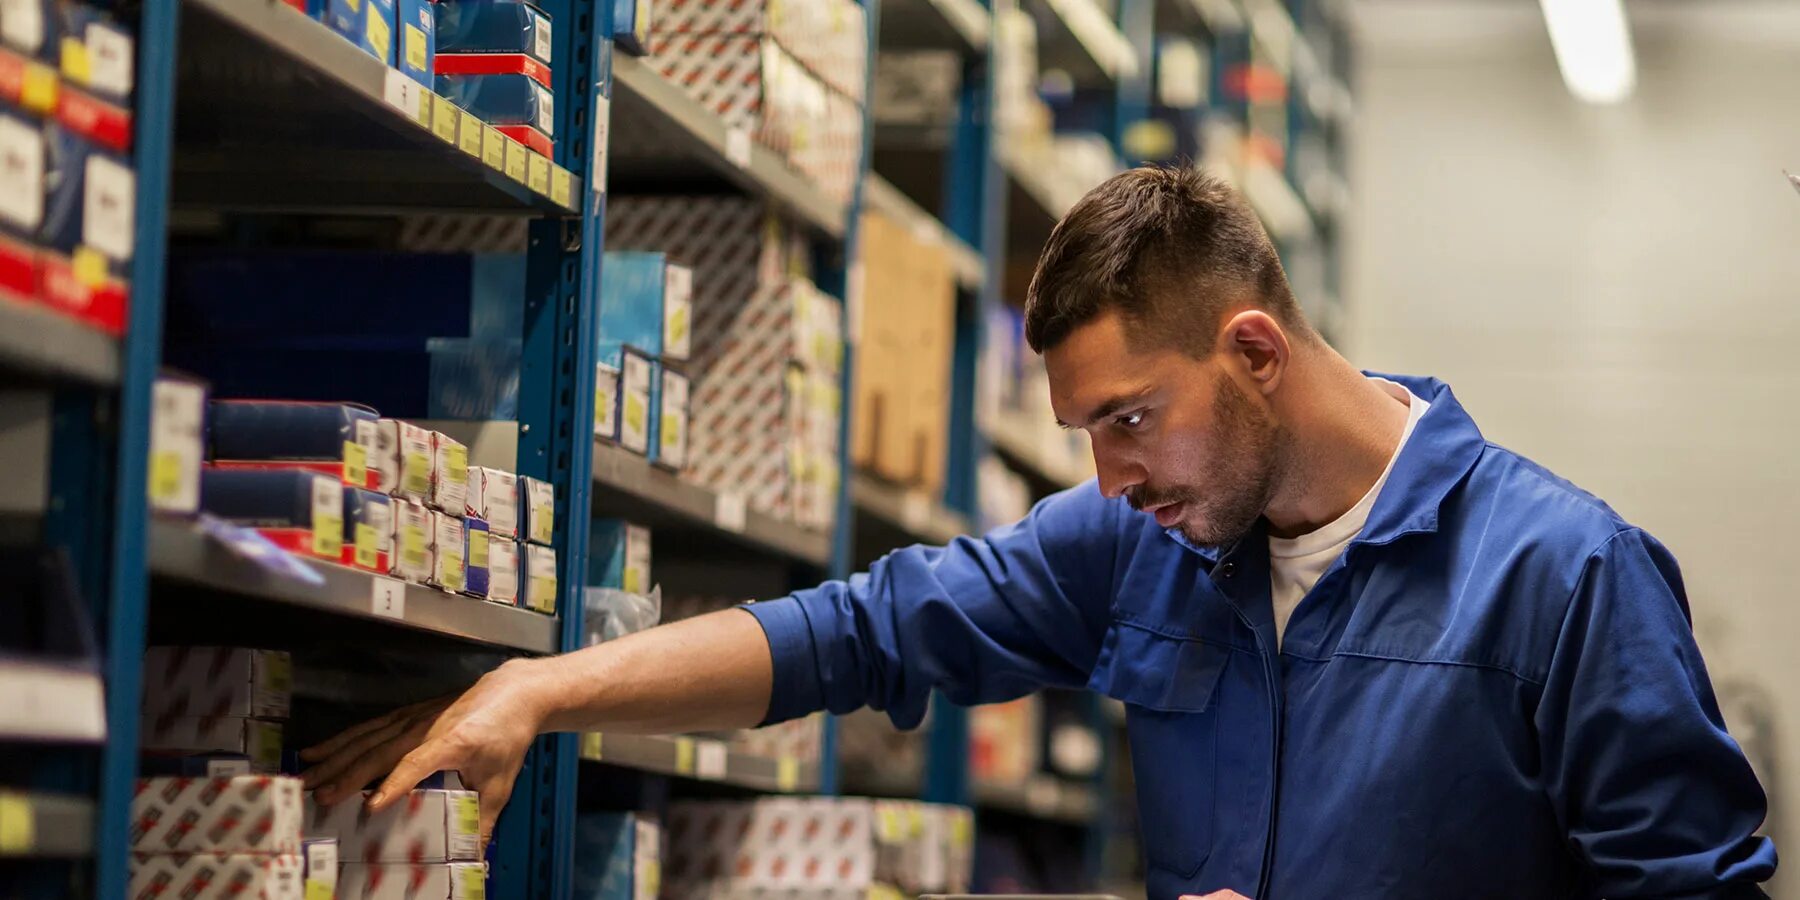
492	802
412	769
334	766
332	745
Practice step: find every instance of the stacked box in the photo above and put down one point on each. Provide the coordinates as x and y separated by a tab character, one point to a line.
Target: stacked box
247	814
449	475
637	401
494	26
449	552
900	427
177	444
369	25
319	867
493	496
219	876
618	856
1004	740
256	740
429	826
401	881
416	34
415	536
476	574
300	512
493	60
368	530
328	438
503	571
537	524
799	739
674	413
540	579
829	37
619	556
214	682
645	302
407	459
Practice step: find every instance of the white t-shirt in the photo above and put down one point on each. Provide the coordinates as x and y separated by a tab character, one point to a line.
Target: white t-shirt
1296	564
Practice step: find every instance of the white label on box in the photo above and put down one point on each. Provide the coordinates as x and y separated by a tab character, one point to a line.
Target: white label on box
327	517
22	24
503	570
710	758
673	438
227	768
109	59
107	207
176	448
634	405
737	147
321	861
378	518
542	498
729	511
541	37
678	311
606	402
546	109
21	172
602	122
450	550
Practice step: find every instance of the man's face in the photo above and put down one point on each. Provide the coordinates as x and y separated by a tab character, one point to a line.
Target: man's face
1175	435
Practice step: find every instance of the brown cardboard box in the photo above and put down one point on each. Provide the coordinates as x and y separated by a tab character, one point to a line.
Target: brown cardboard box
902	404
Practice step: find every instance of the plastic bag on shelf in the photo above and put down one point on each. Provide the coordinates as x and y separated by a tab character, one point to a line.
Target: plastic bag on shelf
613	613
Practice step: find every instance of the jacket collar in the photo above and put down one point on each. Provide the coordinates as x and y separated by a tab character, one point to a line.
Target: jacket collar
1442	449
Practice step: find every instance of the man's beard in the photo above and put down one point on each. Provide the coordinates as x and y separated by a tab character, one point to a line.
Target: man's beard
1248	449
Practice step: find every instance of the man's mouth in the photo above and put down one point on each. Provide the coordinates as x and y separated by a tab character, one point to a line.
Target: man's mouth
1167	514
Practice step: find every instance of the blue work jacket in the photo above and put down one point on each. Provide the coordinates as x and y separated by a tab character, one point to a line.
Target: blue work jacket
1494	693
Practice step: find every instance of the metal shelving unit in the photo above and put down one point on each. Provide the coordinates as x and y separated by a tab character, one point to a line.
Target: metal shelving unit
912	511
1044	797
971	270
37	825
40	344
701	759
1078	37
960	25
46	702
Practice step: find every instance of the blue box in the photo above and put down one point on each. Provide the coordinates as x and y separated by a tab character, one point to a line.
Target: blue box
300	512
474	379
631	25
368	24
645	302
95	51
368	530
502	99
619	556
90	198
416	52
617	856
493	26
328	438
476	535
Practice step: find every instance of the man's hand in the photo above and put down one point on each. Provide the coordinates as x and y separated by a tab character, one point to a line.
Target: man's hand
483	735
1216	895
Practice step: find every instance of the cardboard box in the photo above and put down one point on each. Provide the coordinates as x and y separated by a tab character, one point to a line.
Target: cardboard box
902	378
618	856
298	511
368	24
428	826
257	739
319	867
452	881
670	450
540	579
218	876
1005	740
215	682
637	401
475	570
415	536
606	402
248	814
416	55
494	497
619	556
449	475
381	446
494	26
828	37
501	99
88	230
415	456
368	530
177	442
539	523
645	302
22	202
449	551
503	571
289	434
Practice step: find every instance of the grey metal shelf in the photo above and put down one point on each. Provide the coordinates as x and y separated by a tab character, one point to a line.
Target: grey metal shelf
51	701
43	344
628	486
911	511
45	826
277	112
1009	436
701	759
672	134
961	25
1079	38
1042	797
180	553
882	196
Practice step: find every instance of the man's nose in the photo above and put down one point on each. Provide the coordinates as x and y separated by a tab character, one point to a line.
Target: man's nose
1117	472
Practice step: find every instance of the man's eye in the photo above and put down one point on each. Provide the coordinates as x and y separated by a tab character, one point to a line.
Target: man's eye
1130	420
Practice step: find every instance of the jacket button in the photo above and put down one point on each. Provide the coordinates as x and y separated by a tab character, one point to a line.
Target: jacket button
1226	570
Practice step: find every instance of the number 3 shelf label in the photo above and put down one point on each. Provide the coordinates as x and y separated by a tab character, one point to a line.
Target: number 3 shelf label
389	598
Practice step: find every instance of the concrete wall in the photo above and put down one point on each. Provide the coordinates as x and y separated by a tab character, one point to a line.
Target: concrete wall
1612	291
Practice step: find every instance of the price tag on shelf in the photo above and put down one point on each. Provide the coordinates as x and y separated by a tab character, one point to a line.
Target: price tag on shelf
602	124
515	160
468	133
684	756
537	174
388	598
560	188
18	829
729	512
493	148
711	761
737	147
591	744
787	773
443	118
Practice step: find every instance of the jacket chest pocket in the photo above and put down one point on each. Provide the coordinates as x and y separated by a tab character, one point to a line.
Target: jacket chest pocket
1168	686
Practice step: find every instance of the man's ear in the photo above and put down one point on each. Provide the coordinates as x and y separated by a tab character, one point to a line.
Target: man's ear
1254	344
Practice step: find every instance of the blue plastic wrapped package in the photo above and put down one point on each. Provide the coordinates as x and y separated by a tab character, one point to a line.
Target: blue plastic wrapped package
646	302
332	439
416	40
368	24
618	856
493	26
619	555
502	99
474	379
475	565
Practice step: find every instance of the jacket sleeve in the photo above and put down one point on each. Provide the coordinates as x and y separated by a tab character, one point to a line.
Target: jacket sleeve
1655	796
983	619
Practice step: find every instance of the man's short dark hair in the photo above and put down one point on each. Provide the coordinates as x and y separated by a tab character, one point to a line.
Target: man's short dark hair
1171	248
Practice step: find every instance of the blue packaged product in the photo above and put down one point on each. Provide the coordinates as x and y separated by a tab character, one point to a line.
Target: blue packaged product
631	25
328	438
618	856
368	24
502	99
368	530
645	302
90	196
474	378
300	512
94	50
416	53
475	561
23	146
493	26
619	555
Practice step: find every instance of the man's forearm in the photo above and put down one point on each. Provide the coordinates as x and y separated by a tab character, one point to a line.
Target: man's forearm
709	673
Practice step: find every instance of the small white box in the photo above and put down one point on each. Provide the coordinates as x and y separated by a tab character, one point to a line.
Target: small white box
606	402
413	451
449	474
672	435
258	739
381	444
214	682
678	311
539	520
503	571
246	814
177	445
494	498
426	826
218	876
634	404
414	536
319	867
449	547
540	579
453	881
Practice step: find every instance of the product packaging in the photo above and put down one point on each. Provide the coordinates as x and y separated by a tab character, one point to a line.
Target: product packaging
449	546
95	51
449	475
494	497
619	555
428	826
498	100
538	525
368	24
503	570
618	856
476	578
606	402
645	302
828	37
494	26
632	25
637	401
368	530
494	64
218	876
417	34
400	881
177	444
257	739
670	449
87	231
215	682
248	814
286	434
540	579
298	511
31	27
414	456
415	536
319	867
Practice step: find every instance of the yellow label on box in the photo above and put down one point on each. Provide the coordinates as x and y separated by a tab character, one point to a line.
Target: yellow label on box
493	147
468	814
544	589
652	878
671	430
278	673
478	548
381	35
560	187
89	266
319	890
265	744
328	536
355	5
636	411
415	473
412	547
684	756
469	135
414	38
368	546
678	325
537	173
515	160
456	464
165	475
450	559
76	65
18	827
422	115
356	464
787	773
591	744
38	92
632	581
443	118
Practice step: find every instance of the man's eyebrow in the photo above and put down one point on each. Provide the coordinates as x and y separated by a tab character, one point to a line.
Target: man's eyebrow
1110	408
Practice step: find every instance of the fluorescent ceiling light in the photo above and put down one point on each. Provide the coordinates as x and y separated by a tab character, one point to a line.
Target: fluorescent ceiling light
1593	48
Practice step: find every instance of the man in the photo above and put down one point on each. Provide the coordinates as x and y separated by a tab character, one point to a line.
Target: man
1365	653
